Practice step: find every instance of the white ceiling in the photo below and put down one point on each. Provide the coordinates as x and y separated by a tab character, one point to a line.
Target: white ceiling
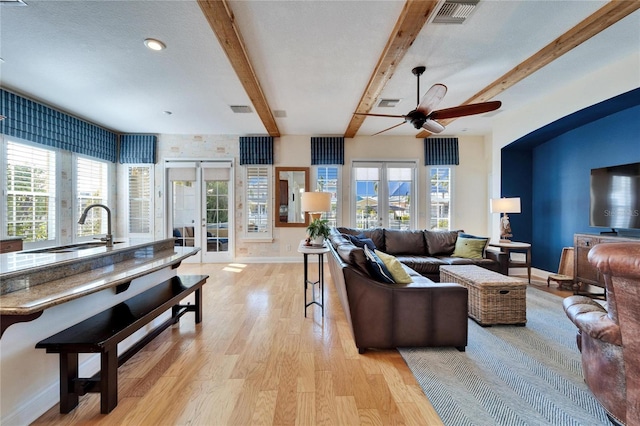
312	58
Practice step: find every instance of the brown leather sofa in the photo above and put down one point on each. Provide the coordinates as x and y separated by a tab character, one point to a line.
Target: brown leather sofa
425	251
421	313
609	339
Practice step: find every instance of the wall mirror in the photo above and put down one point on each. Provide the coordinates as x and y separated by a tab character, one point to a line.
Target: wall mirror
290	183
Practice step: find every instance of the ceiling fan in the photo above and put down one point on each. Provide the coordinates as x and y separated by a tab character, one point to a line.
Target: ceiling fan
424	117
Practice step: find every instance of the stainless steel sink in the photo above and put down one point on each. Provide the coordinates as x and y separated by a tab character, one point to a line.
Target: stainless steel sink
69	248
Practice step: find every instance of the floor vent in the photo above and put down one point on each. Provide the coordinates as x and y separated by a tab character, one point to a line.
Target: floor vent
455	11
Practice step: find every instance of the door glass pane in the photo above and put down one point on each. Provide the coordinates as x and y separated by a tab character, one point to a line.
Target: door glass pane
217	215
367	180
399	184
440	183
184	212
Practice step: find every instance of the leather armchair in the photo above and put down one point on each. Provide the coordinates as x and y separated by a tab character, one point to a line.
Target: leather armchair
609	339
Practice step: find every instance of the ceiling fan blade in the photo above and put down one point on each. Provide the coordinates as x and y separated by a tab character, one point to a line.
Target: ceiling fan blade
432	98
389	128
433	126
378	115
464	110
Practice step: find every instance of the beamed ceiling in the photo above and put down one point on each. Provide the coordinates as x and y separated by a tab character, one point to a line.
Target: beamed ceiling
303	67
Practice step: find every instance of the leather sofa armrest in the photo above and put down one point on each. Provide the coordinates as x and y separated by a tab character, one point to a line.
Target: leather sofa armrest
500	257
592	319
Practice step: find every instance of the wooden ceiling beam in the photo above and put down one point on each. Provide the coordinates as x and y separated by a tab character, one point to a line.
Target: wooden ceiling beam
598	21
222	22
413	17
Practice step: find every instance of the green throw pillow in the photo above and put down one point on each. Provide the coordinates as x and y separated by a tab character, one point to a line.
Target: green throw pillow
470	248
398	273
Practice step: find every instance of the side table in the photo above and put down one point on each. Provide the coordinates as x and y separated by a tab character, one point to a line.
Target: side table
513	246
319	251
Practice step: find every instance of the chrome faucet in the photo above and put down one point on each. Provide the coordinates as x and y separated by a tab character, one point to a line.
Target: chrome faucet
107	238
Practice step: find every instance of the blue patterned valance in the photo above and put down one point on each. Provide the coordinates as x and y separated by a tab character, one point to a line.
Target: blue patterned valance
327	150
256	150
38	123
441	152
138	149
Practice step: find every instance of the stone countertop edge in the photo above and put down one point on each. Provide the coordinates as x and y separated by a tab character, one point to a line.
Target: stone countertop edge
38	298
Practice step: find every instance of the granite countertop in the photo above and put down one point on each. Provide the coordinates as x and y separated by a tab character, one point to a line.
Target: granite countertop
45	279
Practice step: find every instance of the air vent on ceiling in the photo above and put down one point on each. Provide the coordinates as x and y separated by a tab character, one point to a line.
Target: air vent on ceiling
455	11
241	109
388	103
279	113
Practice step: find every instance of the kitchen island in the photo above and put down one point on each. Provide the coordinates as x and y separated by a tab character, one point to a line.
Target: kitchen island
42	293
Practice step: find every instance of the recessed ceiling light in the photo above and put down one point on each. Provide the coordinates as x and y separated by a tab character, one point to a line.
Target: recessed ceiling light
154	44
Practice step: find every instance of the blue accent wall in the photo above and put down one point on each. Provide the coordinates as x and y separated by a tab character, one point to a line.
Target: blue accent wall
549	169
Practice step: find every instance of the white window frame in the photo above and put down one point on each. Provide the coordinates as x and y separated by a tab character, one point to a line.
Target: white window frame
429	199
105	199
338	194
55	220
383	166
267	235
149	213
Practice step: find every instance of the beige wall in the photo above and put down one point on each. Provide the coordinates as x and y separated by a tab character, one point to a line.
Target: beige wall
469	200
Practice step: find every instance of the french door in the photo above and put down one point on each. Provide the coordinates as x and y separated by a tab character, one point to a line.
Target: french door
200	200
384	195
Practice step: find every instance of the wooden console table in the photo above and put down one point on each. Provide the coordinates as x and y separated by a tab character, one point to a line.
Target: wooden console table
585	274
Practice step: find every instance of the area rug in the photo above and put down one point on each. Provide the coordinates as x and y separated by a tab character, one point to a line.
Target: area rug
510	375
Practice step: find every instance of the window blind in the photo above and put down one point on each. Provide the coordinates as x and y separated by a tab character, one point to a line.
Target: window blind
138	149
441	152
327	150
256	150
38	123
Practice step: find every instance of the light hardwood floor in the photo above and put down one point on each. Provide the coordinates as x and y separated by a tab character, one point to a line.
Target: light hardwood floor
256	360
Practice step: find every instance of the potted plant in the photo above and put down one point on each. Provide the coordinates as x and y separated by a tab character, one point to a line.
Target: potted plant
318	230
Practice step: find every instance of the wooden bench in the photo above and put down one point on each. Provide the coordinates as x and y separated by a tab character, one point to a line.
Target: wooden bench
101	333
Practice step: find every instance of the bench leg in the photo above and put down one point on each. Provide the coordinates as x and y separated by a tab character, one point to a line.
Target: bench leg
198	303
108	380
68	373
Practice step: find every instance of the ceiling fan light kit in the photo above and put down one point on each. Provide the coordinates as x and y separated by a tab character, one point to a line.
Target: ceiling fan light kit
424	116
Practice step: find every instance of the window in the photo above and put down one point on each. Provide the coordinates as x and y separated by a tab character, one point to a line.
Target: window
384	194
31	192
140	199
440	197
257	220
91	188
327	181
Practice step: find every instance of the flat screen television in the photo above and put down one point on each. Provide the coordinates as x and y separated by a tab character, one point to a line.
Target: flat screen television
615	197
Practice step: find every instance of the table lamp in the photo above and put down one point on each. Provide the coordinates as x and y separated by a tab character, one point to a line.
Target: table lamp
504	206
315	203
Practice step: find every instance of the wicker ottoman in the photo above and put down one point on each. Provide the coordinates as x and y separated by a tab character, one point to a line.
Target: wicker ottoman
493	298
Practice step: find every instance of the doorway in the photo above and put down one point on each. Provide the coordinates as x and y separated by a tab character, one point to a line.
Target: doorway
200	206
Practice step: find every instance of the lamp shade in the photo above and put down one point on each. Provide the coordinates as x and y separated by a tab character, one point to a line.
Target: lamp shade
505	205
315	202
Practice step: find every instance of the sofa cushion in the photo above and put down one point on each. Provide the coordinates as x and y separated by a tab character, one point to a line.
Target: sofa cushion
353	256
404	242
470	247
423	265
377	267
441	242
376	234
361	241
400	276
